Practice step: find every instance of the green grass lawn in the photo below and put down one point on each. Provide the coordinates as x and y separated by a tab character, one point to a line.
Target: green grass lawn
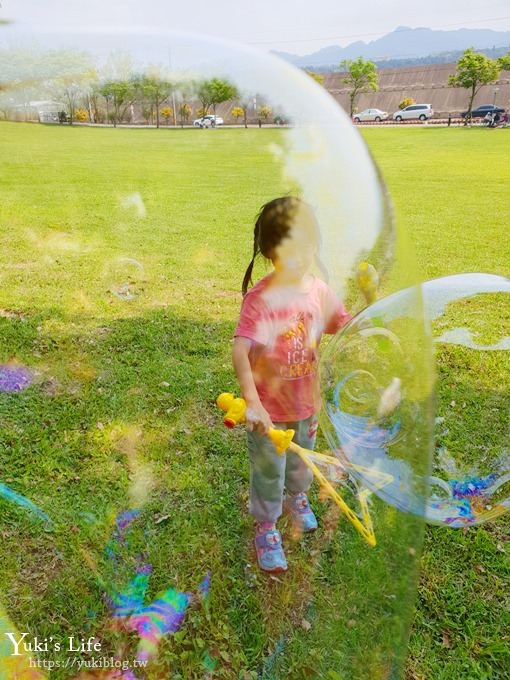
121	260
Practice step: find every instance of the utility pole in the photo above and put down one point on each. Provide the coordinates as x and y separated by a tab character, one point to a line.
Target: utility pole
173	91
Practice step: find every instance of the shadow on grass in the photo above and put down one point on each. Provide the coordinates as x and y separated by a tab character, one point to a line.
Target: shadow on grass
122	414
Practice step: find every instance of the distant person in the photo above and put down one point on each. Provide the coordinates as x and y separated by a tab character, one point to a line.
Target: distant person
282	319
62	117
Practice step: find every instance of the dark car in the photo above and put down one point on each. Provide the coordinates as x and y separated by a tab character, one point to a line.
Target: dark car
482	111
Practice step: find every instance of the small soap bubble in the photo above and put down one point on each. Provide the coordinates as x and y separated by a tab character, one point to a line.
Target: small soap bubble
135	201
126	277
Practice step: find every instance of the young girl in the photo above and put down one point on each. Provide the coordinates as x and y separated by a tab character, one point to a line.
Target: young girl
275	359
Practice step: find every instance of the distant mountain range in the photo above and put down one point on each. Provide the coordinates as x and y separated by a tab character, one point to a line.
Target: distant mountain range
406	44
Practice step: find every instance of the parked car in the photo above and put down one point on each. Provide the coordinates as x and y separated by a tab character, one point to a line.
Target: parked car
370	114
414	112
208	121
483	110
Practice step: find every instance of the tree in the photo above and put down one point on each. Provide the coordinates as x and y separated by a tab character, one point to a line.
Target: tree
167	112
222	91
32	74
184	112
473	71
237	112
246	101
318	77
96	113
504	62
154	90
265	111
70	92
362	78
121	94
148	114
81	115
204	96
118	66
214	91
69	75
118	85
20	75
407	101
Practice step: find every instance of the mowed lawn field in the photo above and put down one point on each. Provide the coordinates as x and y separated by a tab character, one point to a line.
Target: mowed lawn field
121	258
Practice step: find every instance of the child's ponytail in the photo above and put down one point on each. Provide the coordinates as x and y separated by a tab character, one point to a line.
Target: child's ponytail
247	275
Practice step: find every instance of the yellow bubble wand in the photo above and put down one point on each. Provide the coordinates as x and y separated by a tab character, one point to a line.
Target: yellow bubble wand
235	413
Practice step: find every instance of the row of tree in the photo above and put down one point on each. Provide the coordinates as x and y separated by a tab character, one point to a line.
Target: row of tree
473	70
111	93
151	91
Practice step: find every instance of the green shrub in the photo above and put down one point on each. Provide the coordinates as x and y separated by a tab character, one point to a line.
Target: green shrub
407	101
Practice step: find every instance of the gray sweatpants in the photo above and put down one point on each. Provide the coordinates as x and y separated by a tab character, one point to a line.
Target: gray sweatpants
271	473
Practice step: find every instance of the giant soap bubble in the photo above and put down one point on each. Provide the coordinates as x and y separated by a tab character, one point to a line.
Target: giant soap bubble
120	289
376	362
471	482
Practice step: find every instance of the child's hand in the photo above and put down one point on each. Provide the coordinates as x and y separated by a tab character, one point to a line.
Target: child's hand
258	419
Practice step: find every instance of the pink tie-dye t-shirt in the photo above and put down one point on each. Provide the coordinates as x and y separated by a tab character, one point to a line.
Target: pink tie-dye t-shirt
286	328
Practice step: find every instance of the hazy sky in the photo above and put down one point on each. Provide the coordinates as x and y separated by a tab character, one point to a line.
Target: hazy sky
288	25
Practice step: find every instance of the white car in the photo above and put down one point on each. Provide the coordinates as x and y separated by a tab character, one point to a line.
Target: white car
370	114
208	121
414	112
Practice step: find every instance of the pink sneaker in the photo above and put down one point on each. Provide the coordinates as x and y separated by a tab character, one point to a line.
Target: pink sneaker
303	518
268	544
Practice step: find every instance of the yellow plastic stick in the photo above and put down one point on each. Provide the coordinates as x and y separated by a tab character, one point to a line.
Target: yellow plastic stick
364	527
235	409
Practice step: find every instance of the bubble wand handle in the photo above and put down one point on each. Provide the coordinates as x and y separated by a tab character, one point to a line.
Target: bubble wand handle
235	413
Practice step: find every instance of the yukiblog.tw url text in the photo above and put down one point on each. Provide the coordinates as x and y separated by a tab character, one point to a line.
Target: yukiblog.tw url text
79	663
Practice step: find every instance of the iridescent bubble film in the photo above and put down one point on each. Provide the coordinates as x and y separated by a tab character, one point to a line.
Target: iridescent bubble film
470	320
373	413
14	378
126	231
125	276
